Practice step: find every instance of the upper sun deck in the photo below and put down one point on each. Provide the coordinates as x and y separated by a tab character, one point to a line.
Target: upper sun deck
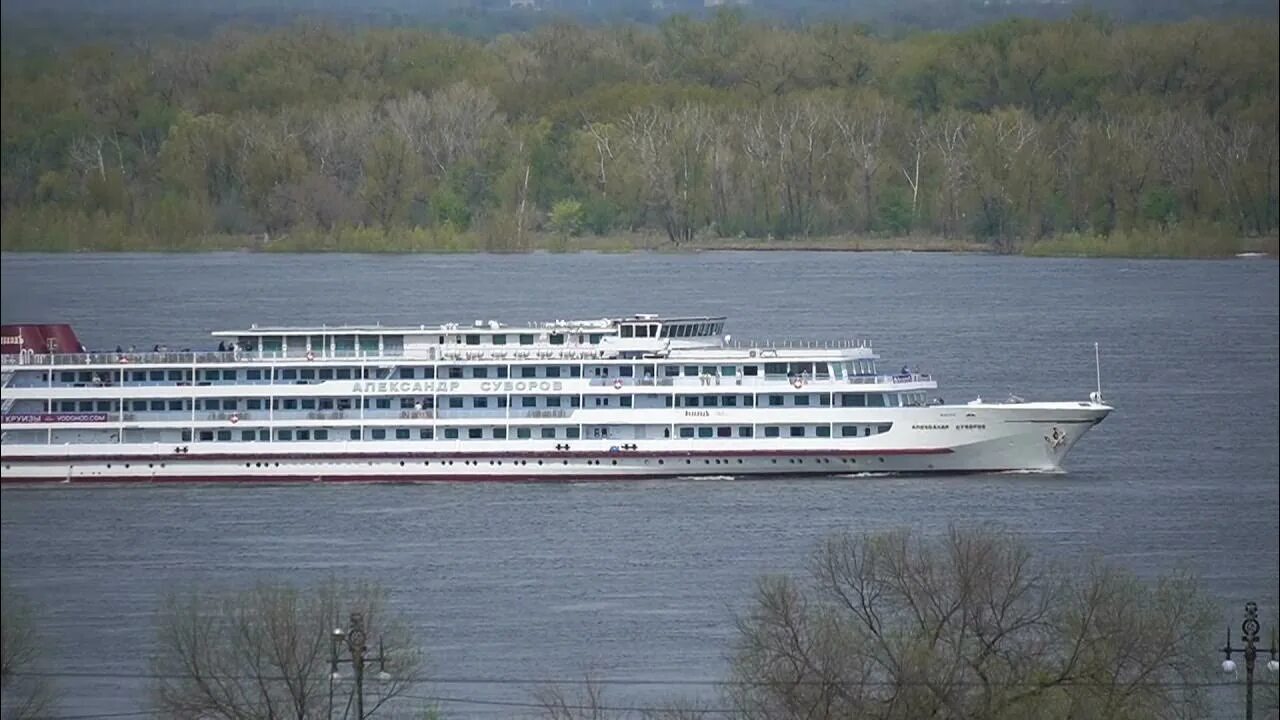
692	338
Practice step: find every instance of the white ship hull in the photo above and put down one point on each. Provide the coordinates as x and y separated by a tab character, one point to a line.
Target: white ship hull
977	437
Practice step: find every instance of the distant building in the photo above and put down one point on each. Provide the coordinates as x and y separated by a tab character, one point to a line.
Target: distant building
725	3
525	4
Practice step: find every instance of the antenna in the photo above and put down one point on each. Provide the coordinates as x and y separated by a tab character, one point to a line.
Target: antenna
1096	396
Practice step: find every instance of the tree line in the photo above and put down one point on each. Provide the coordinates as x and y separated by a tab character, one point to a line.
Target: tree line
313	137
884	626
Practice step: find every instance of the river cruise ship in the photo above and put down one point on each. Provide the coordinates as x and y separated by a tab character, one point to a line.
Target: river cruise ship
634	397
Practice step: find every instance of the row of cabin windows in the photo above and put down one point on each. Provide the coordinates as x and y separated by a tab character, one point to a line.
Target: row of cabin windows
777	431
524	338
495	401
671	330
815	370
309	434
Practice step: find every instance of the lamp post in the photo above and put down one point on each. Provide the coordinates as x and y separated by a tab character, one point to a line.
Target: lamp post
1249	636
354	639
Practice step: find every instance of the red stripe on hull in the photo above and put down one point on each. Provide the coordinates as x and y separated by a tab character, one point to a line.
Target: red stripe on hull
535	455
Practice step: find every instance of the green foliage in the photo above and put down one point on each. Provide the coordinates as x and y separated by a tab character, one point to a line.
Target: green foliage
566	217
1013	134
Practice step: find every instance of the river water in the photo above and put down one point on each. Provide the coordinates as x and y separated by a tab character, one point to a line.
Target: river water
639	581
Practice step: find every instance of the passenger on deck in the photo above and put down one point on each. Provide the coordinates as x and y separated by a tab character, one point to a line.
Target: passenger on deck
222	346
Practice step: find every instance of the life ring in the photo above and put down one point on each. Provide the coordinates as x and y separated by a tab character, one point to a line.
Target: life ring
797	383
235	418
617	384
311	355
124	360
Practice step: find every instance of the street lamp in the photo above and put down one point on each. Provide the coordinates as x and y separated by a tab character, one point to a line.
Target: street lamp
353	639
1249	636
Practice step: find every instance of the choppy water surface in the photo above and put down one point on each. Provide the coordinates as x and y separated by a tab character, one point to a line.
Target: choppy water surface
639	580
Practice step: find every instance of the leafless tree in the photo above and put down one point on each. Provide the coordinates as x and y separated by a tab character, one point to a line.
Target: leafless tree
22	696
670	149
862	131
264	653
968	625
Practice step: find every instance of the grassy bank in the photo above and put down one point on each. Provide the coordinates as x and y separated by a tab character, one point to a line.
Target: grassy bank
86	233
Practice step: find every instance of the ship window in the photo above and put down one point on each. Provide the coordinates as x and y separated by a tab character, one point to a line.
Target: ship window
383	403
326	373
252	374
524	433
575	401
875	400
499	433
824	399
401	434
424	433
406	403
500	372
729	401
548	433
706	432
690	370
824	431
136	376
553	371
472	339
528	401
406	373
479	372
138	406
669	400
691	401
378	434
206	436
325	404
284	435
748	401
501	402
304	435
499	339
252	404
745	431
157	405
594	338
572	433
248	436
775	368
772	431
575	371
229	375
724	432
455	373
866	432
526	339
343	373
775	400
480	402
288	374
796	431
67	377
105	405
625	401
528	371
355	434
665	332
157	376
186	436
849	431
322	434
728	370
627	331
553	401
626	371
455	402
556	339
686	432
308	403
802	400
711	401
853	399
883	428
670	370
451	433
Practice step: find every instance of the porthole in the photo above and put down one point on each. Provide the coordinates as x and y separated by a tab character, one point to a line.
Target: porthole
401	463
126	465
615	462
739	461
881	459
662	462
539	462
426	463
688	462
